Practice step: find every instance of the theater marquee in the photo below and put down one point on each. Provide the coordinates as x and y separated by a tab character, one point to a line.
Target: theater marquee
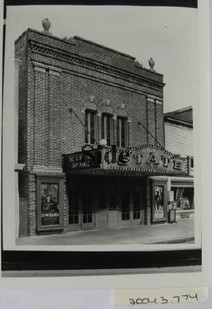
145	159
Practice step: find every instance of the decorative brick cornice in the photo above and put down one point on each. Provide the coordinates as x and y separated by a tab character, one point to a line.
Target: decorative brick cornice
91	64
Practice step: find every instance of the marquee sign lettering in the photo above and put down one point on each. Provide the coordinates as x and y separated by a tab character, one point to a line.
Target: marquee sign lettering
147	158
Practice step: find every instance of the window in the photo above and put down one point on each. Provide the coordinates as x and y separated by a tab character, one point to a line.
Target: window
121	132
183	197
192	162
107	128
90	127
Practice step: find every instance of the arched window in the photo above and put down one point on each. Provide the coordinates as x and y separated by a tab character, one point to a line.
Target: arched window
106	128
90	127
122	132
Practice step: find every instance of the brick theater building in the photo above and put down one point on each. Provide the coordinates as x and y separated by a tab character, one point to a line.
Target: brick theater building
91	142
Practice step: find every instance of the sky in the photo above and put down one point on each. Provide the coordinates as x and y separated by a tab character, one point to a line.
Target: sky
168	35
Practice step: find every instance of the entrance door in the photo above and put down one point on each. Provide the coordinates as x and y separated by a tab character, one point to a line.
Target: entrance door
102	209
87	210
130	205
80	210
125	207
136	214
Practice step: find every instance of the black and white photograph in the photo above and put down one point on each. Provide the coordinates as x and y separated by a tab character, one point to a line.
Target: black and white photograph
101	119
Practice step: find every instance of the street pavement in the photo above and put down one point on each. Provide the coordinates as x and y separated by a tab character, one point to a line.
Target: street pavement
168	233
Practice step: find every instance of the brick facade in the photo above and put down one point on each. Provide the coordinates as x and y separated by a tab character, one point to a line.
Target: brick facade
57	75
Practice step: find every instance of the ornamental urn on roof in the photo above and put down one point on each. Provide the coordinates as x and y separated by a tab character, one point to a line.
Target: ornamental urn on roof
46	25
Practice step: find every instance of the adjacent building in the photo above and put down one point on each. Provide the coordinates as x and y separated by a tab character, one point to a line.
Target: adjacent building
179	139
91	138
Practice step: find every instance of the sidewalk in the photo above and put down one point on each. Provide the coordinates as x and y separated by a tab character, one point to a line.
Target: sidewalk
175	233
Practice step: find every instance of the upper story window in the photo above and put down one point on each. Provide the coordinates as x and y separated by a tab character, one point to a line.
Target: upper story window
121	132
90	127
107	128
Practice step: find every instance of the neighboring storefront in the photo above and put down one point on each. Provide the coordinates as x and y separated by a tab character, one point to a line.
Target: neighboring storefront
91	139
179	139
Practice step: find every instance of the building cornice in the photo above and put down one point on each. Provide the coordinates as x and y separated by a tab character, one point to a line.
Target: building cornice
72	58
103	79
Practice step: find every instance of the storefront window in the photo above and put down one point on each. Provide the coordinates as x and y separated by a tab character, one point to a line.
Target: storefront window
183	197
159	207
49	203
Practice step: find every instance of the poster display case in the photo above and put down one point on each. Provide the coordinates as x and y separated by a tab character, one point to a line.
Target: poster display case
159	201
50	203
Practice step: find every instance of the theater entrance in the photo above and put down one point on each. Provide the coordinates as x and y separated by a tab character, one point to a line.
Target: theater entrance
107	205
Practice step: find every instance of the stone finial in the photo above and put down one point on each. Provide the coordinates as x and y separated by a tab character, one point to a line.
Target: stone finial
151	63
46	25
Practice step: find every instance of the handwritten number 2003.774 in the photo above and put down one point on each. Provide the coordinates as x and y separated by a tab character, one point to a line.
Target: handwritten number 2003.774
162	299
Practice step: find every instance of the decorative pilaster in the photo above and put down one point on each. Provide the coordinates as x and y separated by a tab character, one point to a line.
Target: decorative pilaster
151	120
40	112
54	156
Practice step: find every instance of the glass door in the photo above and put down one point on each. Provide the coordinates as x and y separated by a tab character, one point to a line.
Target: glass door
136	207
87	210
131	208
74	216
125	207
80	210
